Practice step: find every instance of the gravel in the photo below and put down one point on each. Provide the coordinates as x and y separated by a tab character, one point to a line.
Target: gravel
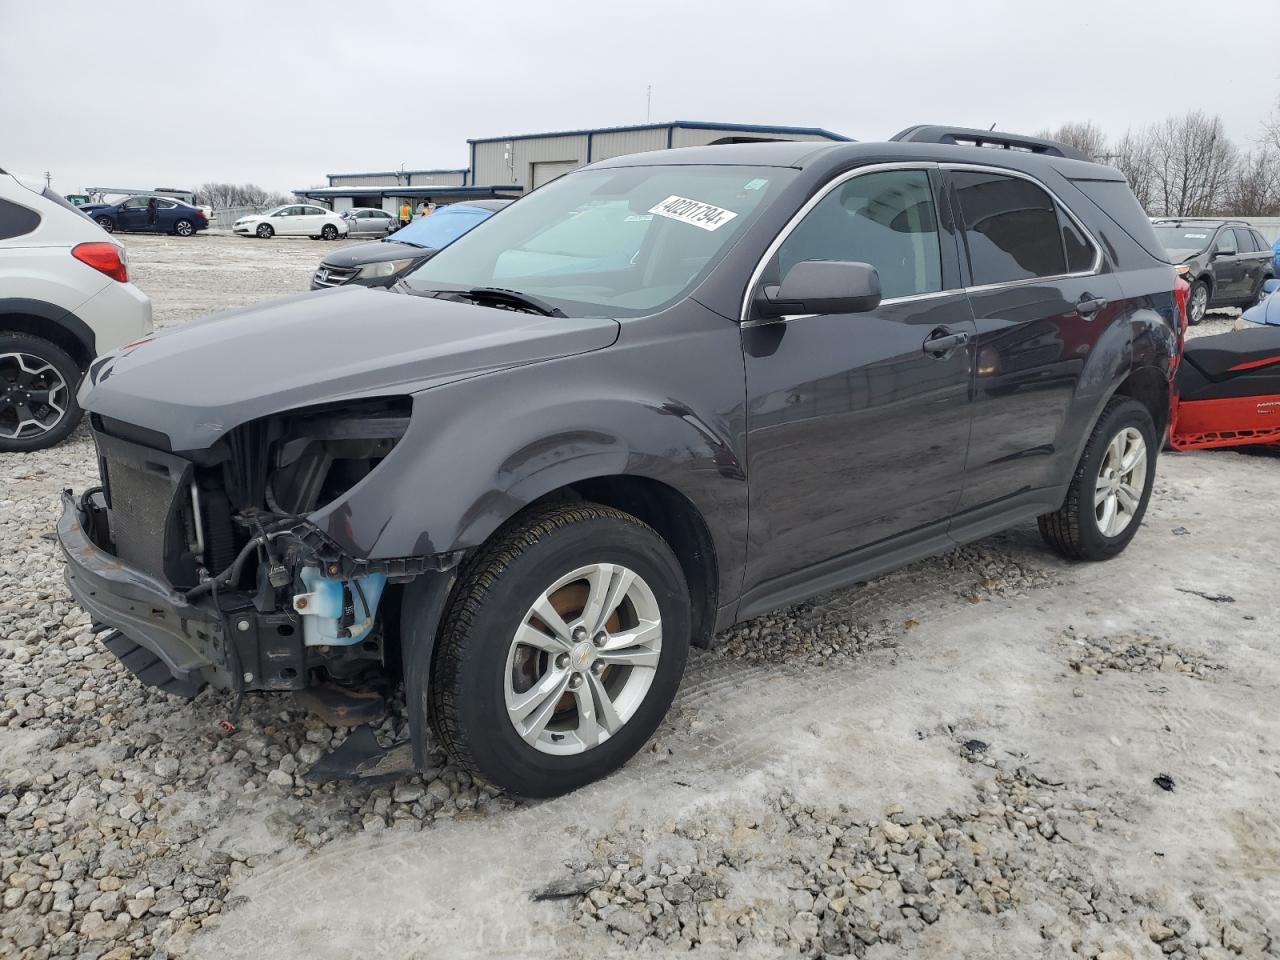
959	753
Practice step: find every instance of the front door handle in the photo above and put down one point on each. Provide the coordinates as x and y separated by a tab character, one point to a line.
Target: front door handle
942	341
1088	305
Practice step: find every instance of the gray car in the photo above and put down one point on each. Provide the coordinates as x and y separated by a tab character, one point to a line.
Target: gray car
658	396
367	222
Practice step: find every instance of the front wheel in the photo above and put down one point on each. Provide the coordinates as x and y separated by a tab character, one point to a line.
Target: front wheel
107	224
1198	302
329	232
265	231
1111	486
37	393
184	228
561	650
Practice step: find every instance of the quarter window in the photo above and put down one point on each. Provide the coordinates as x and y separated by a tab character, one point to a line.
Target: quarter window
886	219
1015	231
16	220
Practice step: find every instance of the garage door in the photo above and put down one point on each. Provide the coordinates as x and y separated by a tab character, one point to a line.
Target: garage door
548	170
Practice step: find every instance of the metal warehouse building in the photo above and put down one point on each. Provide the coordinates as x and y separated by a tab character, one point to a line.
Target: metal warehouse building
512	165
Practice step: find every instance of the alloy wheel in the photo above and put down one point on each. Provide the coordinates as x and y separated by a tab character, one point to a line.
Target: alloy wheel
183	228
33	396
583	659
1199	303
1122	479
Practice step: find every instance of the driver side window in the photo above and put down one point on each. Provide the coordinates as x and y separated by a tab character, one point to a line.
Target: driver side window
1226	242
886	219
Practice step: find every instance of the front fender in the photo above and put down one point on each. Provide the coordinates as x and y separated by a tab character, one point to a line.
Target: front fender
480	450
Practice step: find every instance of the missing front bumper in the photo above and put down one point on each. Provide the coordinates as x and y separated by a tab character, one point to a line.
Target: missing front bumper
185	639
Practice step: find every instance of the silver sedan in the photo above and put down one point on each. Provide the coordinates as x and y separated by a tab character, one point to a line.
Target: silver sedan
370	222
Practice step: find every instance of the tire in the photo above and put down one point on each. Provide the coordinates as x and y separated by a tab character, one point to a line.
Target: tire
34	363
479	669
106	223
1076	530
265	231
184	228
1197	302
1256	297
328	232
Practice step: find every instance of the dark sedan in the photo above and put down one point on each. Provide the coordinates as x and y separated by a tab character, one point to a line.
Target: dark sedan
382	262
148	215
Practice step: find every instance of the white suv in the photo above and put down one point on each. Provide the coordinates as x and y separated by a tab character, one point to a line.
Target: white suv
65	298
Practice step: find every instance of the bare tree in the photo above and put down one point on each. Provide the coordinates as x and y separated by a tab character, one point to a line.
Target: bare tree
1254	187
1085	136
220	196
1133	155
1193	162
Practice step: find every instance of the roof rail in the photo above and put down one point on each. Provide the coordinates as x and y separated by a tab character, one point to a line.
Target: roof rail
967	137
1231	220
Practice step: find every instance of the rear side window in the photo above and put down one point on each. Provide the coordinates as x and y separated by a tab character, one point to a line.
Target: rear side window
1244	240
1011	227
885	219
1080	252
16	220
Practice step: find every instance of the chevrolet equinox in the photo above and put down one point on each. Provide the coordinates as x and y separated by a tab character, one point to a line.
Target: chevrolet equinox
658	396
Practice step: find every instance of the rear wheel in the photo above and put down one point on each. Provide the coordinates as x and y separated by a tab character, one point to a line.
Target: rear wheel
1198	303
184	228
1111	486
329	232
107	224
37	393
265	231
561	650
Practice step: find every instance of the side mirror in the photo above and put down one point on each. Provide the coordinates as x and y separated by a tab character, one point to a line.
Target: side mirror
1270	286
1222	253
823	286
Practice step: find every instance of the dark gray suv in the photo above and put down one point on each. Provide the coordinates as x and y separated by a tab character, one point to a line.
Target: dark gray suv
658	396
1225	261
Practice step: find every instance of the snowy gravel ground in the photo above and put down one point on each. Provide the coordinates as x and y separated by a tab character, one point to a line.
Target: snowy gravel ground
965	758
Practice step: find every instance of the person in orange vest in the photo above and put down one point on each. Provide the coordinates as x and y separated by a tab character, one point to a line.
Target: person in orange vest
406	212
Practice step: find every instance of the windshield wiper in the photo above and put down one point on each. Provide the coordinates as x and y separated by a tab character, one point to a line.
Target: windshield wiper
510	298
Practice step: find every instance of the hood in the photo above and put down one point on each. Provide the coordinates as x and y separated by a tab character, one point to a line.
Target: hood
249	218
376	252
196	382
1268	311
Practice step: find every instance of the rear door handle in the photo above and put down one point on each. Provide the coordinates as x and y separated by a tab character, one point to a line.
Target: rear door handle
1087	305
942	341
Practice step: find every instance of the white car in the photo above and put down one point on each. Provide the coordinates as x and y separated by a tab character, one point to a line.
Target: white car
293	220
65	299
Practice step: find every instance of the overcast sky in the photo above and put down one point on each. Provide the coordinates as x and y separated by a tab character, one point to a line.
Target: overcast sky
143	93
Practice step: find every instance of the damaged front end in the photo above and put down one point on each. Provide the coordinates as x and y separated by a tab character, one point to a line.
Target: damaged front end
205	566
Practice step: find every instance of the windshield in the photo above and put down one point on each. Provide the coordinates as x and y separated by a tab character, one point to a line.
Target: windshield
441	228
614	242
1184	240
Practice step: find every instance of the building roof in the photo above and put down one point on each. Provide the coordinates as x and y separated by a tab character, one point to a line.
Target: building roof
685	124
477	192
396	173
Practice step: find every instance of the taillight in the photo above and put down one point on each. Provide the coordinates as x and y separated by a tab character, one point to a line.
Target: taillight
104	257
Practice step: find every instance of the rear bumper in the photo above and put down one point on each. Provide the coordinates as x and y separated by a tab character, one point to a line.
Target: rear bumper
182	635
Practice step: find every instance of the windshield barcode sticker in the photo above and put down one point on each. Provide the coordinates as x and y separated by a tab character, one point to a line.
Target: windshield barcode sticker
695	212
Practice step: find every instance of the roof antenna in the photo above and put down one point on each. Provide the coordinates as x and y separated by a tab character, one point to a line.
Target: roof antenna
990	128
